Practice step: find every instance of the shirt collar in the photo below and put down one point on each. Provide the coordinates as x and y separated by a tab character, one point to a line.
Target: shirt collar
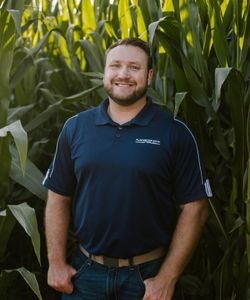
142	118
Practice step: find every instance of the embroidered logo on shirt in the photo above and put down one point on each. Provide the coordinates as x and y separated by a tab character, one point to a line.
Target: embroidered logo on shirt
148	141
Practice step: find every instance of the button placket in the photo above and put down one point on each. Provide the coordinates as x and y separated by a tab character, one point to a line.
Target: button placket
118	133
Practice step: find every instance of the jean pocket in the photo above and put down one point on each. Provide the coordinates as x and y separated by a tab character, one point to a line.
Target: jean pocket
80	263
139	276
149	269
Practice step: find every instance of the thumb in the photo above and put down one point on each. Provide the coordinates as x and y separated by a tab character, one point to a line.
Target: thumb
70	286
73	271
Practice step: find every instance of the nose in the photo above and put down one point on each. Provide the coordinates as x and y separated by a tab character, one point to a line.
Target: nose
124	72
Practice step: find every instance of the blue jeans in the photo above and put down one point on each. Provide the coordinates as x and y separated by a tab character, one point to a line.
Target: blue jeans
94	281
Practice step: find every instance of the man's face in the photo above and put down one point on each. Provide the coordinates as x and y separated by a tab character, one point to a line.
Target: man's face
126	75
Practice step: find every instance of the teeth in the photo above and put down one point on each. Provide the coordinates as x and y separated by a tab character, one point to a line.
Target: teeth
123	84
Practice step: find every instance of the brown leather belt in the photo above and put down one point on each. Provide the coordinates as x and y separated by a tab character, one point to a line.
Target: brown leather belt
125	262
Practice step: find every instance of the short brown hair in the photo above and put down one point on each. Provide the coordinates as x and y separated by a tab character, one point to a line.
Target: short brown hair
135	42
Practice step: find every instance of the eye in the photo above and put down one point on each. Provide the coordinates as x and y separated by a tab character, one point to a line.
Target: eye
134	67
114	66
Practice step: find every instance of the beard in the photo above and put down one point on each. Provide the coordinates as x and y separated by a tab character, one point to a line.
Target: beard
126	100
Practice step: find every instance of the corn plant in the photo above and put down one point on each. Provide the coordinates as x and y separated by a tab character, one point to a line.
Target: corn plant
51	66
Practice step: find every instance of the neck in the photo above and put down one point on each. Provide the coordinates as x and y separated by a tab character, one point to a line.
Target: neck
123	114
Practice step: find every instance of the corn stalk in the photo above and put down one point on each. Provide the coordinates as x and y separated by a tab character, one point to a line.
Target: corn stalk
51	66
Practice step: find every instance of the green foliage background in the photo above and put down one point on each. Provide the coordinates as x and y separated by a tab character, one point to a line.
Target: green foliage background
51	64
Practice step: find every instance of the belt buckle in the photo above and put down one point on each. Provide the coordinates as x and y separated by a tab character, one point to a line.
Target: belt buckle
110	261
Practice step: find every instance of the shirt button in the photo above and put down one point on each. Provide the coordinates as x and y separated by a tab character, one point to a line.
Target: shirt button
118	135
120	128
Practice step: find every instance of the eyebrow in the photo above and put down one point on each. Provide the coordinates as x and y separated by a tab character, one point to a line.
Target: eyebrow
130	62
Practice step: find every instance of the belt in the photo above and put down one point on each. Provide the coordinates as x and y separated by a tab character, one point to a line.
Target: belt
125	262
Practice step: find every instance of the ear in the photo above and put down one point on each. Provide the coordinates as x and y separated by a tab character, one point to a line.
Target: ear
150	76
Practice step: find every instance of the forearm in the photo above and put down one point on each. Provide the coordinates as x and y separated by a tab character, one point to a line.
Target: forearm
185	238
57	218
186	235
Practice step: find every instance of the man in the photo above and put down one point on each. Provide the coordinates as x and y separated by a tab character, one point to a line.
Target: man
121	168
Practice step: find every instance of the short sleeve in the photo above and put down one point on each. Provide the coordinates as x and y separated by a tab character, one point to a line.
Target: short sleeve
60	177
190	183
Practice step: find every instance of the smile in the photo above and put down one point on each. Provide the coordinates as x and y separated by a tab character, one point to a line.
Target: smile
123	84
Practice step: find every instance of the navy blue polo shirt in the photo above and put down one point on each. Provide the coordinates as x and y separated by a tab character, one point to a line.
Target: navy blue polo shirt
126	180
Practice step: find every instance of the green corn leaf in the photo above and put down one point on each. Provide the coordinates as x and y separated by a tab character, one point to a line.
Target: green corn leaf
125	18
237	224
168	6
28	60
218	219
179	98
141	27
191	283
7	223
98	42
248	199
97	75
152	28
43	41
63	11
220	141
17	113
26	217
92	56
202	69
218	34
58	81
221	75
71	7
29	278
45	115
207	43
5	167
248	138
150	10
200	62
235	86
17	5
6	282
156	97
16	15
180	78
110	29
32	180
88	16
246	37
7	43
235	96
64	50
21	71
169	39
197	90
20	137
